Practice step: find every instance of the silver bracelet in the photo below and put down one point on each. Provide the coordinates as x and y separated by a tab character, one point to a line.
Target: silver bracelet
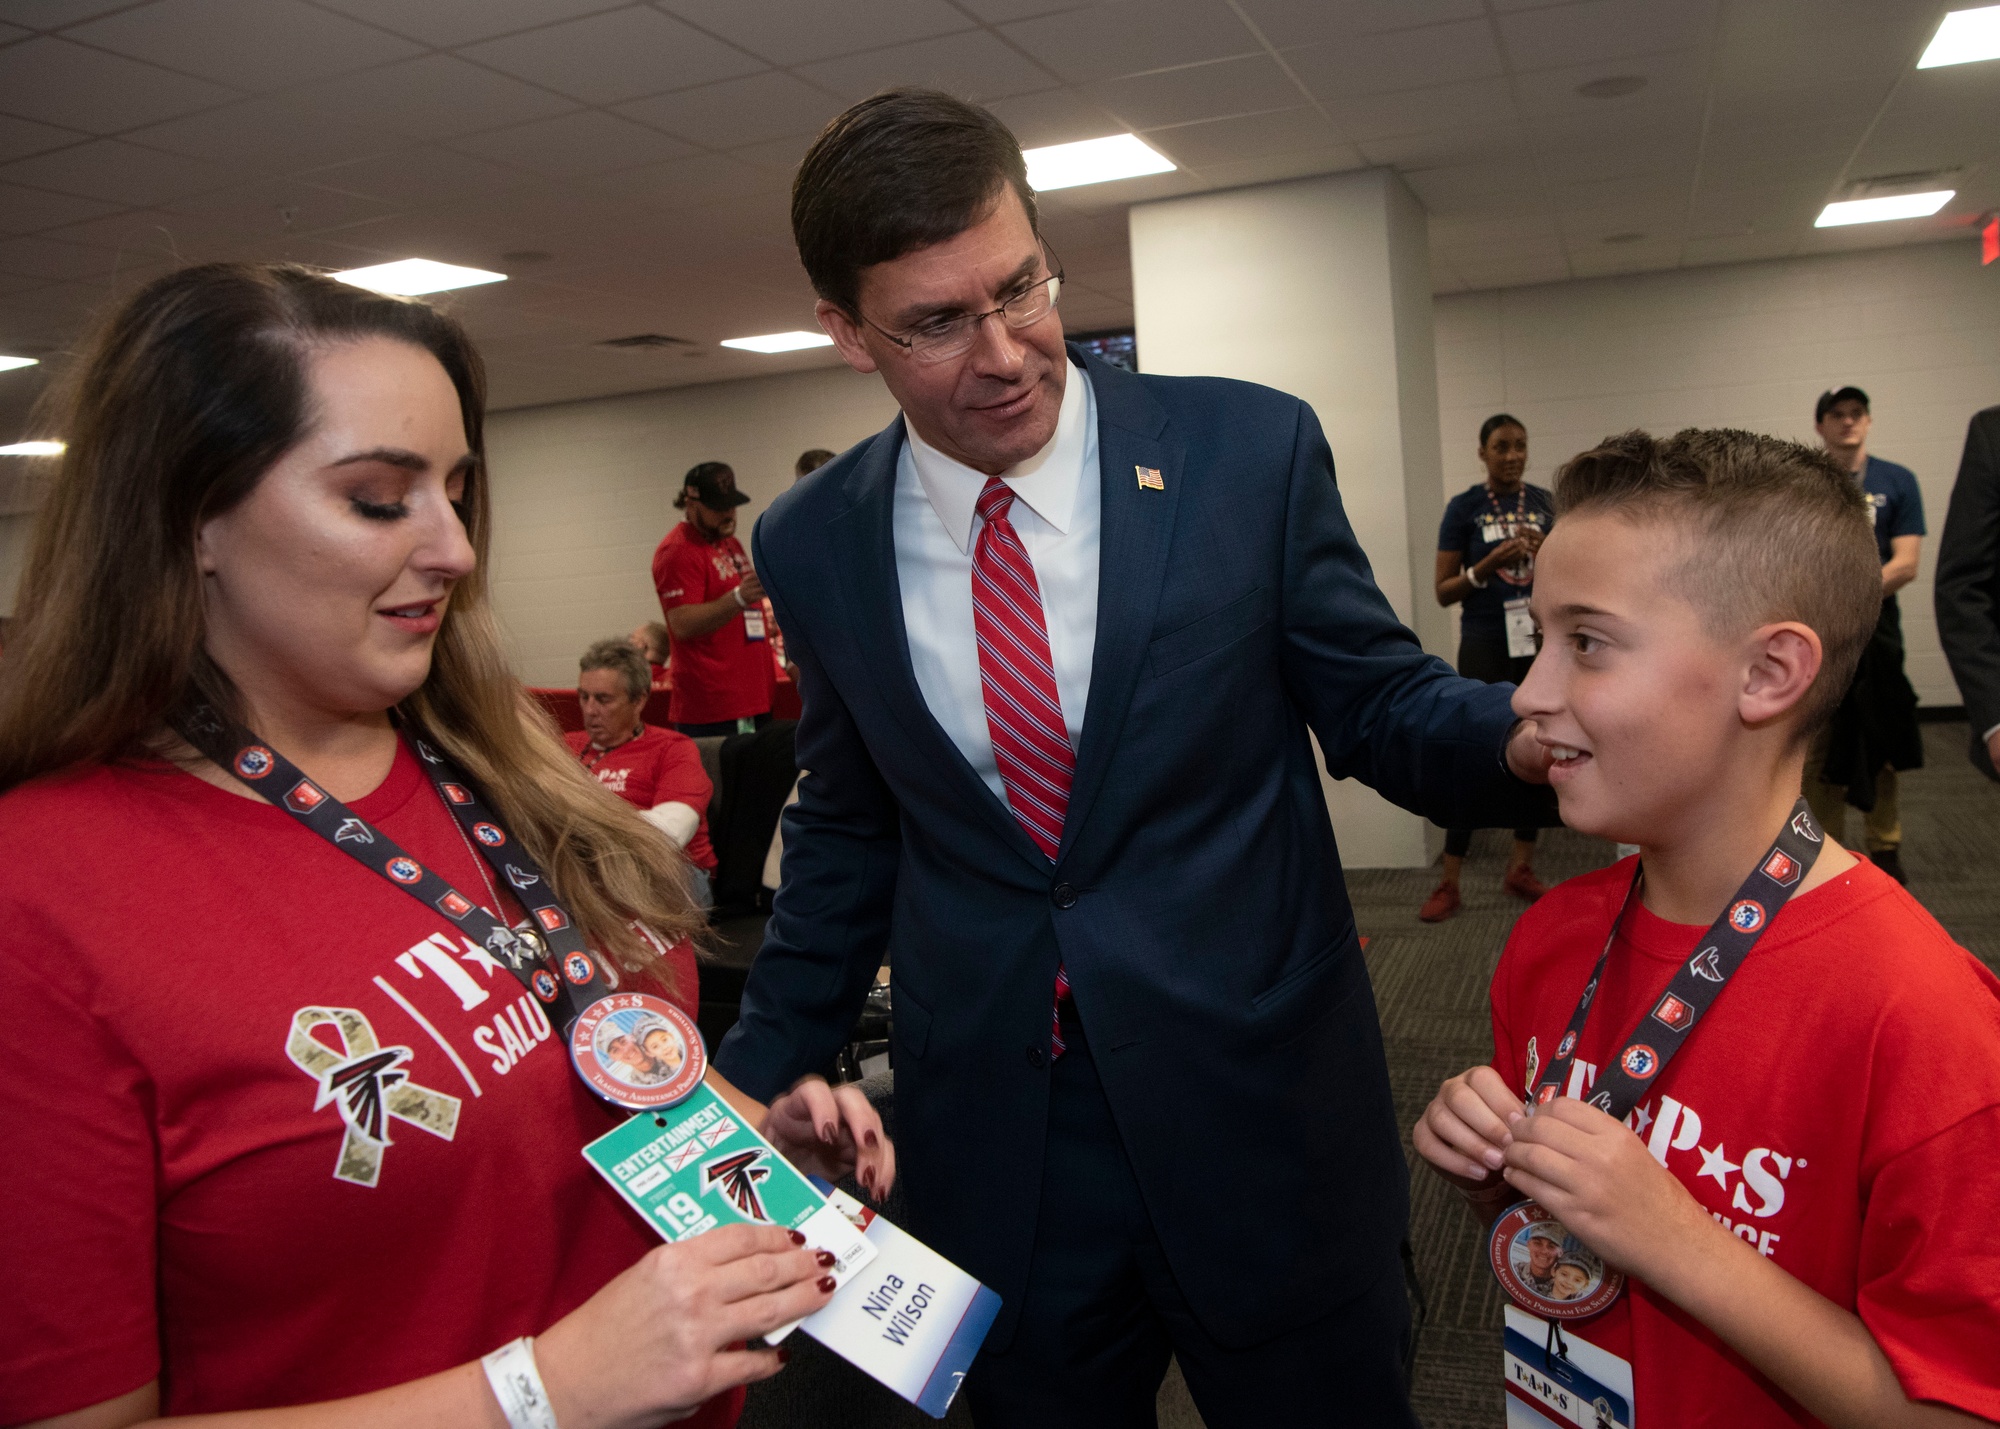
517	1385
1474	579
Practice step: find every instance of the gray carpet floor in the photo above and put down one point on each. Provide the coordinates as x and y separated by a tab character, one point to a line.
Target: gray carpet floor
1430	985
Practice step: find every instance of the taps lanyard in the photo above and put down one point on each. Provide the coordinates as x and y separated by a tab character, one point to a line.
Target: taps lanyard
1530	1279
547	952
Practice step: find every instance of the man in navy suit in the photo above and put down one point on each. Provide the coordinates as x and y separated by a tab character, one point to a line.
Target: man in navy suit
1062	632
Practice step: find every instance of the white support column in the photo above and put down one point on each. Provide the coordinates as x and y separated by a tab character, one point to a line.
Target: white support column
1321	287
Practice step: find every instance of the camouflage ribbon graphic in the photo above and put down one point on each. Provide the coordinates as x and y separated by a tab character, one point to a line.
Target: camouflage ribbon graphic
366	1081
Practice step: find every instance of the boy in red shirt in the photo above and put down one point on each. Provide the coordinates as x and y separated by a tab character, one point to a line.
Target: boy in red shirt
657	771
1799	1171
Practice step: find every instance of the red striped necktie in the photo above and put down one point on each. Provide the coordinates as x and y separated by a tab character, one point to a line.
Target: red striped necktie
1023	711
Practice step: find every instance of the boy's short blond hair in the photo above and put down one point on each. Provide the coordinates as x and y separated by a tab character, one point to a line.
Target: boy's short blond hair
1773	530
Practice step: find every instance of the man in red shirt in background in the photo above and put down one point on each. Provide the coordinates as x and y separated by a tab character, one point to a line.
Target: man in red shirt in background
657	771
721	624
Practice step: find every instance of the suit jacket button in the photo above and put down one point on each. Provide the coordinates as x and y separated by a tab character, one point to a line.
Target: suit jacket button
1036	1056
1064	896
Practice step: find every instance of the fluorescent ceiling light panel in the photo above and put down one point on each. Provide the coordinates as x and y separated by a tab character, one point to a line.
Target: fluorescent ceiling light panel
1965	37
33	449
1093	161
8	364
779	342
1880	210
415	276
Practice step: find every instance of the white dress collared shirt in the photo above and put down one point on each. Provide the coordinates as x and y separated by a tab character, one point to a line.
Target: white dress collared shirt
1056	513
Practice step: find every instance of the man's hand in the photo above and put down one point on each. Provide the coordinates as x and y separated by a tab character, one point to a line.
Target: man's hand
751	588
830	1131
1467	1127
1596	1177
1527	757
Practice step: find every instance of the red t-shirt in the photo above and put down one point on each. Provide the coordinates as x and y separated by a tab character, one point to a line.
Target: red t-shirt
1838	1108
656	766
725	674
184	969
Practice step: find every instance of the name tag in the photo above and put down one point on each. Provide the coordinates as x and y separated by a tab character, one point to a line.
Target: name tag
753	623
1520	628
1582	1388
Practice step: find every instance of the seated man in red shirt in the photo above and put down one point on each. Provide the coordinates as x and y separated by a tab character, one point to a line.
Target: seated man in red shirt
657	771
1761	1081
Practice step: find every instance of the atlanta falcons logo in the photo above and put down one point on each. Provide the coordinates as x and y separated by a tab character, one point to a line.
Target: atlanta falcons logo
504	943
353	831
1706	965
738	1174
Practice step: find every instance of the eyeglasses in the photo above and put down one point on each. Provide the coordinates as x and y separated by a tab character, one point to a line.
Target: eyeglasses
942	339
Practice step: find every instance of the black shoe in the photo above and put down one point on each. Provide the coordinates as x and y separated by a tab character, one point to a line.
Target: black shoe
1889	863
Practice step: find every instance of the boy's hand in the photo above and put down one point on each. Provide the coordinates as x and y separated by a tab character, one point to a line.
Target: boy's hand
1466	1128
1596	1177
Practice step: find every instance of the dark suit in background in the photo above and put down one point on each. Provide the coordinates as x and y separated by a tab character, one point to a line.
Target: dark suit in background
1967	585
1197	898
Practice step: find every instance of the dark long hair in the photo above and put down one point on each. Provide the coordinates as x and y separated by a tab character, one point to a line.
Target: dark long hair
188	394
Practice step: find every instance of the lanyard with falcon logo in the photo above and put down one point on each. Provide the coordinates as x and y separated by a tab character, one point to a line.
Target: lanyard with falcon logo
1648	1048
547	952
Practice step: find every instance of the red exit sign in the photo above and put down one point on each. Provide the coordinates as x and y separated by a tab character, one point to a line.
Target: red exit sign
1989	239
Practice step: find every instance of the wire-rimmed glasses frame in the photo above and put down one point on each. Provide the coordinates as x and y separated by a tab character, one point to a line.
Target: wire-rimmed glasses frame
942	340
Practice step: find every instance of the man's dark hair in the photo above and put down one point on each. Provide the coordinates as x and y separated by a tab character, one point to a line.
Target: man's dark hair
811	460
900	171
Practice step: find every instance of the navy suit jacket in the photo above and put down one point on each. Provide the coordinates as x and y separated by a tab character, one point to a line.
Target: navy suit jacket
1197	897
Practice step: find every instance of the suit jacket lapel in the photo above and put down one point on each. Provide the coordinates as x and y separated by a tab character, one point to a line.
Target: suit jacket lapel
1137	527
864	535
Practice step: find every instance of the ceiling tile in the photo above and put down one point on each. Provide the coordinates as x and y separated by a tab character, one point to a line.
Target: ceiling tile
792	32
1304	22
1404	59
420	177
1479	104
1248	85
1056	116
432	98
460	22
1676	82
1132	36
32	210
739	111
56	82
251	44
1253	136
268	208
11	33
272	133
1495	145
973	65
586	142
1461	189
1604	30
619	55
118	172
153	235
1275	168
54	14
20	137
47	258
686	183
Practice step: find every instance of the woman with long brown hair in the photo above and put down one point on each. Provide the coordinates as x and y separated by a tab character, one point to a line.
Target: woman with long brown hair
280	1133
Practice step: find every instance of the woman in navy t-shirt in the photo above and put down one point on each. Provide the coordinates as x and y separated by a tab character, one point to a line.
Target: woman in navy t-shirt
1486	559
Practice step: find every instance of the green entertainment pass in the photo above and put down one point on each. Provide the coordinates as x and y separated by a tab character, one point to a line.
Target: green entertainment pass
693	1167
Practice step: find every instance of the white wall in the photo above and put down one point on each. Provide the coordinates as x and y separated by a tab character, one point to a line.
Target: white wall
582	493
1747	345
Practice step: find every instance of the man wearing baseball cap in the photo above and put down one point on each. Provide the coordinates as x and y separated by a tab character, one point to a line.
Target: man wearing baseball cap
714	604
1874	733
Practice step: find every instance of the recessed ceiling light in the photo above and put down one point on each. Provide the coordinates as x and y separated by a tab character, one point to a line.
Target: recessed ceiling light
414	276
1965	36
33	449
779	342
8	364
1092	161
1880	210
1612	87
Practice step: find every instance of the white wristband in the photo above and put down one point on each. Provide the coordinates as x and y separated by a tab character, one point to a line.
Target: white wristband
517	1385
1474	579
737	591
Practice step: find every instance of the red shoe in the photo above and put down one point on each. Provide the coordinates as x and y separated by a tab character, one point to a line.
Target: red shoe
1522	883
1442	903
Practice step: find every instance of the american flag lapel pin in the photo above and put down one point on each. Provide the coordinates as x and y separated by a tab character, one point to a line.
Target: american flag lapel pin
1149	479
